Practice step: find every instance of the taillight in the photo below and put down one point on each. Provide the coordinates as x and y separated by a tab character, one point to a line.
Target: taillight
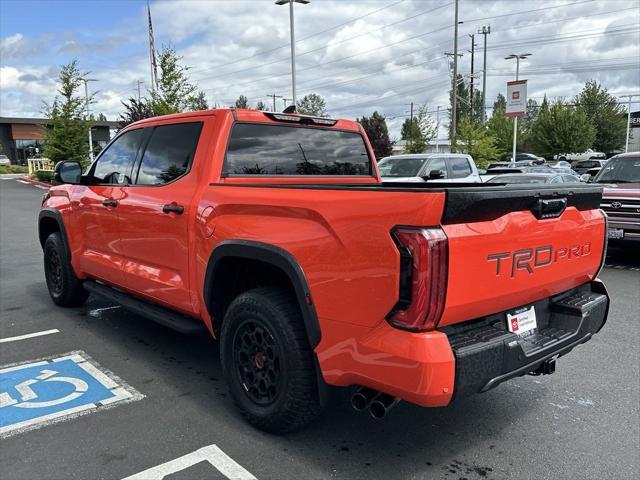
424	254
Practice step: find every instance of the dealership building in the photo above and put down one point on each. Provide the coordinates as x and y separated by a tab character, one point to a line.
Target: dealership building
23	138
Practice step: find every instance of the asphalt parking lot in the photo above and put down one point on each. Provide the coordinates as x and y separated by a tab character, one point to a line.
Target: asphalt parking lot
582	422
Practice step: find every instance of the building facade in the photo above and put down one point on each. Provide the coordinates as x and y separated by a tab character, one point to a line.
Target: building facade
23	138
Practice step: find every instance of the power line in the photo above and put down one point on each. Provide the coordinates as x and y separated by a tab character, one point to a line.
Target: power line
299	40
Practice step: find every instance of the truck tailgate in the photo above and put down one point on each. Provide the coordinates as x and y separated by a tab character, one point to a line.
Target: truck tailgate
511	247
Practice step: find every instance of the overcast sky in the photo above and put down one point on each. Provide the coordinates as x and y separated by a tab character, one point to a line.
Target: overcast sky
360	55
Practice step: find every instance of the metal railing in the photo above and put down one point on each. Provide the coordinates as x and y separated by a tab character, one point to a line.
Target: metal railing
39	165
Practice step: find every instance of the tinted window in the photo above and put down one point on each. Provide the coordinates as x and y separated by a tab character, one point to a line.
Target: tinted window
281	150
401	166
115	163
459	167
438	164
169	153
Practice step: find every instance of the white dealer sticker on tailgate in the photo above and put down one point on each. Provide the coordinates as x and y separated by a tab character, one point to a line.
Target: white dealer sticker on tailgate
522	322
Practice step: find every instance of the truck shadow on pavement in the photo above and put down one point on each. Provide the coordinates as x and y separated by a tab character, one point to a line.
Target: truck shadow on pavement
411	440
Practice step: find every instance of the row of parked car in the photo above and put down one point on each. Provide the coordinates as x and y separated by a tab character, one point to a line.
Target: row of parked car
620	176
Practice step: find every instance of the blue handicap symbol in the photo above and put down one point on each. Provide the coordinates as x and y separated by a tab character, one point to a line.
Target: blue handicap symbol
47	389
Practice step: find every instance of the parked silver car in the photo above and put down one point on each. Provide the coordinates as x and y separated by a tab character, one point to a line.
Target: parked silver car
426	167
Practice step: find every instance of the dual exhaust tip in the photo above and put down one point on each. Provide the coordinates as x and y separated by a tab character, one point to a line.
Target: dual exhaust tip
379	404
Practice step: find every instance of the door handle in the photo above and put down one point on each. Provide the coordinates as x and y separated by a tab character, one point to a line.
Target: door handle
173	208
110	202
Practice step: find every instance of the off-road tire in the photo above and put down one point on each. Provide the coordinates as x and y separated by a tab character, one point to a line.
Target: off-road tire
274	312
65	288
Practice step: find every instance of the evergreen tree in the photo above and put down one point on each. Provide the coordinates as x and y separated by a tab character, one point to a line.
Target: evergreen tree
174	93
419	132
378	133
561	128
312	104
242	102
68	136
604	113
199	102
262	106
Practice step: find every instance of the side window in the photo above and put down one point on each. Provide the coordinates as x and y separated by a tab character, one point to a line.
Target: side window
437	163
169	153
556	180
114	165
460	167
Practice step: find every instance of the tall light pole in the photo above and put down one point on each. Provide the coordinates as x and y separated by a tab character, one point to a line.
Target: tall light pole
518	57
455	78
484	32
86	97
293	42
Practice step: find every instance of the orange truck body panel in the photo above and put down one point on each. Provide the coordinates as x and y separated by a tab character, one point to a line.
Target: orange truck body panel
341	240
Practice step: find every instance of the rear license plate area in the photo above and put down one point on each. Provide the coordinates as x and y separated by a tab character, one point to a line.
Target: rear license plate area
523	321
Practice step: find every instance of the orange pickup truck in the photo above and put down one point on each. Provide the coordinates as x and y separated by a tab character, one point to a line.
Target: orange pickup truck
276	234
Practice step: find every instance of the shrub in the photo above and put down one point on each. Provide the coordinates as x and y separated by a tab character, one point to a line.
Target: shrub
44	176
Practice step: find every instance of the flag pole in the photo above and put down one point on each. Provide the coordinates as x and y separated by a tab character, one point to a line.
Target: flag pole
152	52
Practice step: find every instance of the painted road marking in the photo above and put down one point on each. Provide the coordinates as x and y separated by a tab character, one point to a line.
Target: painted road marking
38	393
29	335
212	454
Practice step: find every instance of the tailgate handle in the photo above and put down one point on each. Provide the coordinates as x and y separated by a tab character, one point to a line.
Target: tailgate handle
549	207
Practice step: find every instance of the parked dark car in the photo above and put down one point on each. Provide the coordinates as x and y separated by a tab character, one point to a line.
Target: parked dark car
534	178
583	166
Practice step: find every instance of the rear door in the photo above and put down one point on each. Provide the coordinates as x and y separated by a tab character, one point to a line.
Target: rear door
154	213
96	214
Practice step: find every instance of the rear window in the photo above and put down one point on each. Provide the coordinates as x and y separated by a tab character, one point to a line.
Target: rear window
460	167
260	149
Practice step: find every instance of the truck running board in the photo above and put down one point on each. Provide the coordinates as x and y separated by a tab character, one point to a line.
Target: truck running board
158	314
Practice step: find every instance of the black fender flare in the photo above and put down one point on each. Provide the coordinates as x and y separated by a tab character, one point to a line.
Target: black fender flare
57	217
276	257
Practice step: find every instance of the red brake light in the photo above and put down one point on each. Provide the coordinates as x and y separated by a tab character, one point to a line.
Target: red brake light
424	256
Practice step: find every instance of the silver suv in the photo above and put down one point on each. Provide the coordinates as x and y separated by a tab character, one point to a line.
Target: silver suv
429	167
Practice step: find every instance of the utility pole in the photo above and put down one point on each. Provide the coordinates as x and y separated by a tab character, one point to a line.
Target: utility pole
86	97
139	83
438	129
274	96
626	145
472	51
455	78
486	30
293	42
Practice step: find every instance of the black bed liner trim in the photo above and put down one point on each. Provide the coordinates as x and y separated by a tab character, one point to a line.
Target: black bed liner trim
466	202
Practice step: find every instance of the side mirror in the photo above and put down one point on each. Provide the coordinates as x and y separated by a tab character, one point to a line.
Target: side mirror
435	174
585	177
67	172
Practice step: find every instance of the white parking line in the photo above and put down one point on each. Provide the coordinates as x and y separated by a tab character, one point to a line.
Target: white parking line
212	454
29	335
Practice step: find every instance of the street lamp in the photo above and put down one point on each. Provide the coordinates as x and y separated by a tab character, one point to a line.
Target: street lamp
518	57
293	42
86	96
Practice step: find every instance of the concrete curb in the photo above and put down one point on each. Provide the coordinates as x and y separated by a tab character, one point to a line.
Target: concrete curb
34	182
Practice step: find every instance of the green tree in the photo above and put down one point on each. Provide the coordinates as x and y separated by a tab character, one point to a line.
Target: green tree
262	106
463	107
67	138
134	110
175	93
419	131
200	102
378	133
312	104
242	102
604	113
500	127
473	139
561	128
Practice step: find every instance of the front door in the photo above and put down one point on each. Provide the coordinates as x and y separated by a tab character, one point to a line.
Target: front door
96	215
154	216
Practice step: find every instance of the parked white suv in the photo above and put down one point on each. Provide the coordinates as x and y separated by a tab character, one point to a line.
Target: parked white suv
4	161
429	167
586	155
